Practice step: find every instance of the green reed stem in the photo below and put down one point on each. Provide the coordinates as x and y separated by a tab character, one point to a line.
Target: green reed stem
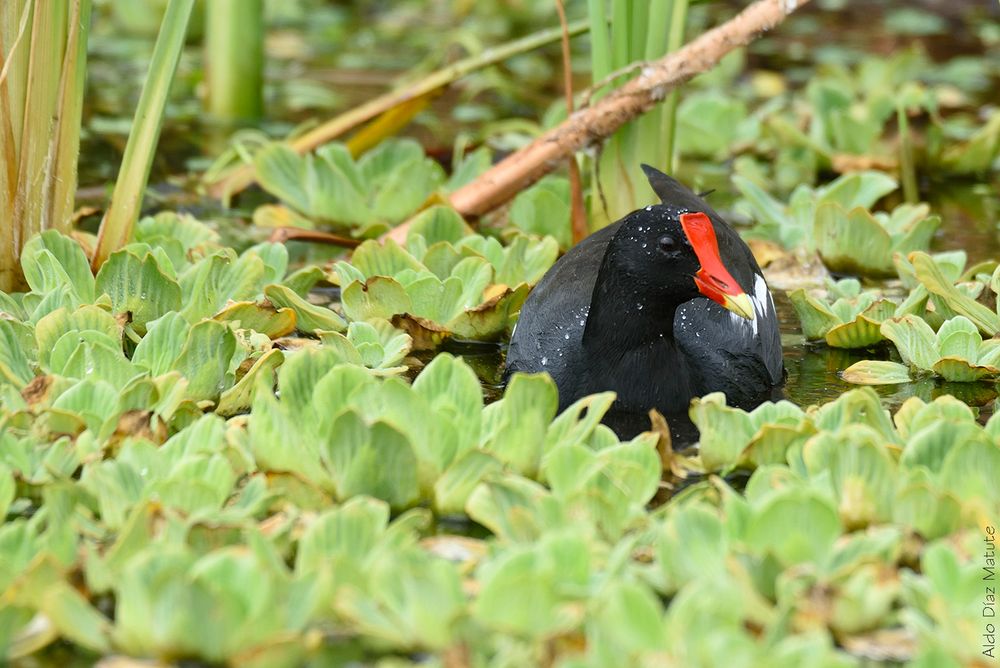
234	59
126	200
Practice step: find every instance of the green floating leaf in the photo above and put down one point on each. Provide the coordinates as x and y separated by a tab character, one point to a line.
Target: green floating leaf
435	224
51	261
303	280
930	275
208	285
514	428
138	287
730	437
956	353
261	317
179	234
543	209
859	189
376	460
204	359
863	332
386	186
8	489
239	397
92	354
795	525
876	372
792	224
854	241
75	618
456	484
551	570
17	349
977	154
347	533
62	321
308	317
162	344
374	259
817	318
375	344
702	111
961	371
377	298
95	401
914	339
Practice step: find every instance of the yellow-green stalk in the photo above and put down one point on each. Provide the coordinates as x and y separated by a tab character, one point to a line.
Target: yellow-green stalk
43	51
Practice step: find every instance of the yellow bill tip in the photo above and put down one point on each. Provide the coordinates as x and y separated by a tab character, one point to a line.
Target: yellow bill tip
740	305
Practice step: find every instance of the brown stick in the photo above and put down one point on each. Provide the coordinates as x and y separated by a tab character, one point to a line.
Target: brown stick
591	125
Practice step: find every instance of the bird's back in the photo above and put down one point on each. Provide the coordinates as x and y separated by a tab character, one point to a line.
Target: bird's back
549	331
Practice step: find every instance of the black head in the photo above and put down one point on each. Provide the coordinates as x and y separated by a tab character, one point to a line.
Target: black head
650	260
662	256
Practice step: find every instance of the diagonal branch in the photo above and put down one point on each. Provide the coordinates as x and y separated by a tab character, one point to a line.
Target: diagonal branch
591	125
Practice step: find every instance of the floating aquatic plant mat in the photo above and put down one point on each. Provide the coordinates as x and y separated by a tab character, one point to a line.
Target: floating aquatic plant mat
181	477
222	454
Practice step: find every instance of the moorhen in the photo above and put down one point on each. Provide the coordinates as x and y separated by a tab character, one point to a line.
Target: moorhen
664	305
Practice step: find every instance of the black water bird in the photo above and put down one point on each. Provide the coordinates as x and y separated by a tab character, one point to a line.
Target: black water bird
664	305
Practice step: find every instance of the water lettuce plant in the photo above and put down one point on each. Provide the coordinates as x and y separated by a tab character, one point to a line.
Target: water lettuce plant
365	197
855	241
957	352
236	492
210	455
846	318
543	210
943	291
791	224
445	282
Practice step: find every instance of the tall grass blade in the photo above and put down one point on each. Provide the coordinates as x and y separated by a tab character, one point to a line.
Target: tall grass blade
907	167
678	20
600	44
234	59
15	33
126	200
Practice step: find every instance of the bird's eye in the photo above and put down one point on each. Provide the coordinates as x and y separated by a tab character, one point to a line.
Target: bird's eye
667	244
